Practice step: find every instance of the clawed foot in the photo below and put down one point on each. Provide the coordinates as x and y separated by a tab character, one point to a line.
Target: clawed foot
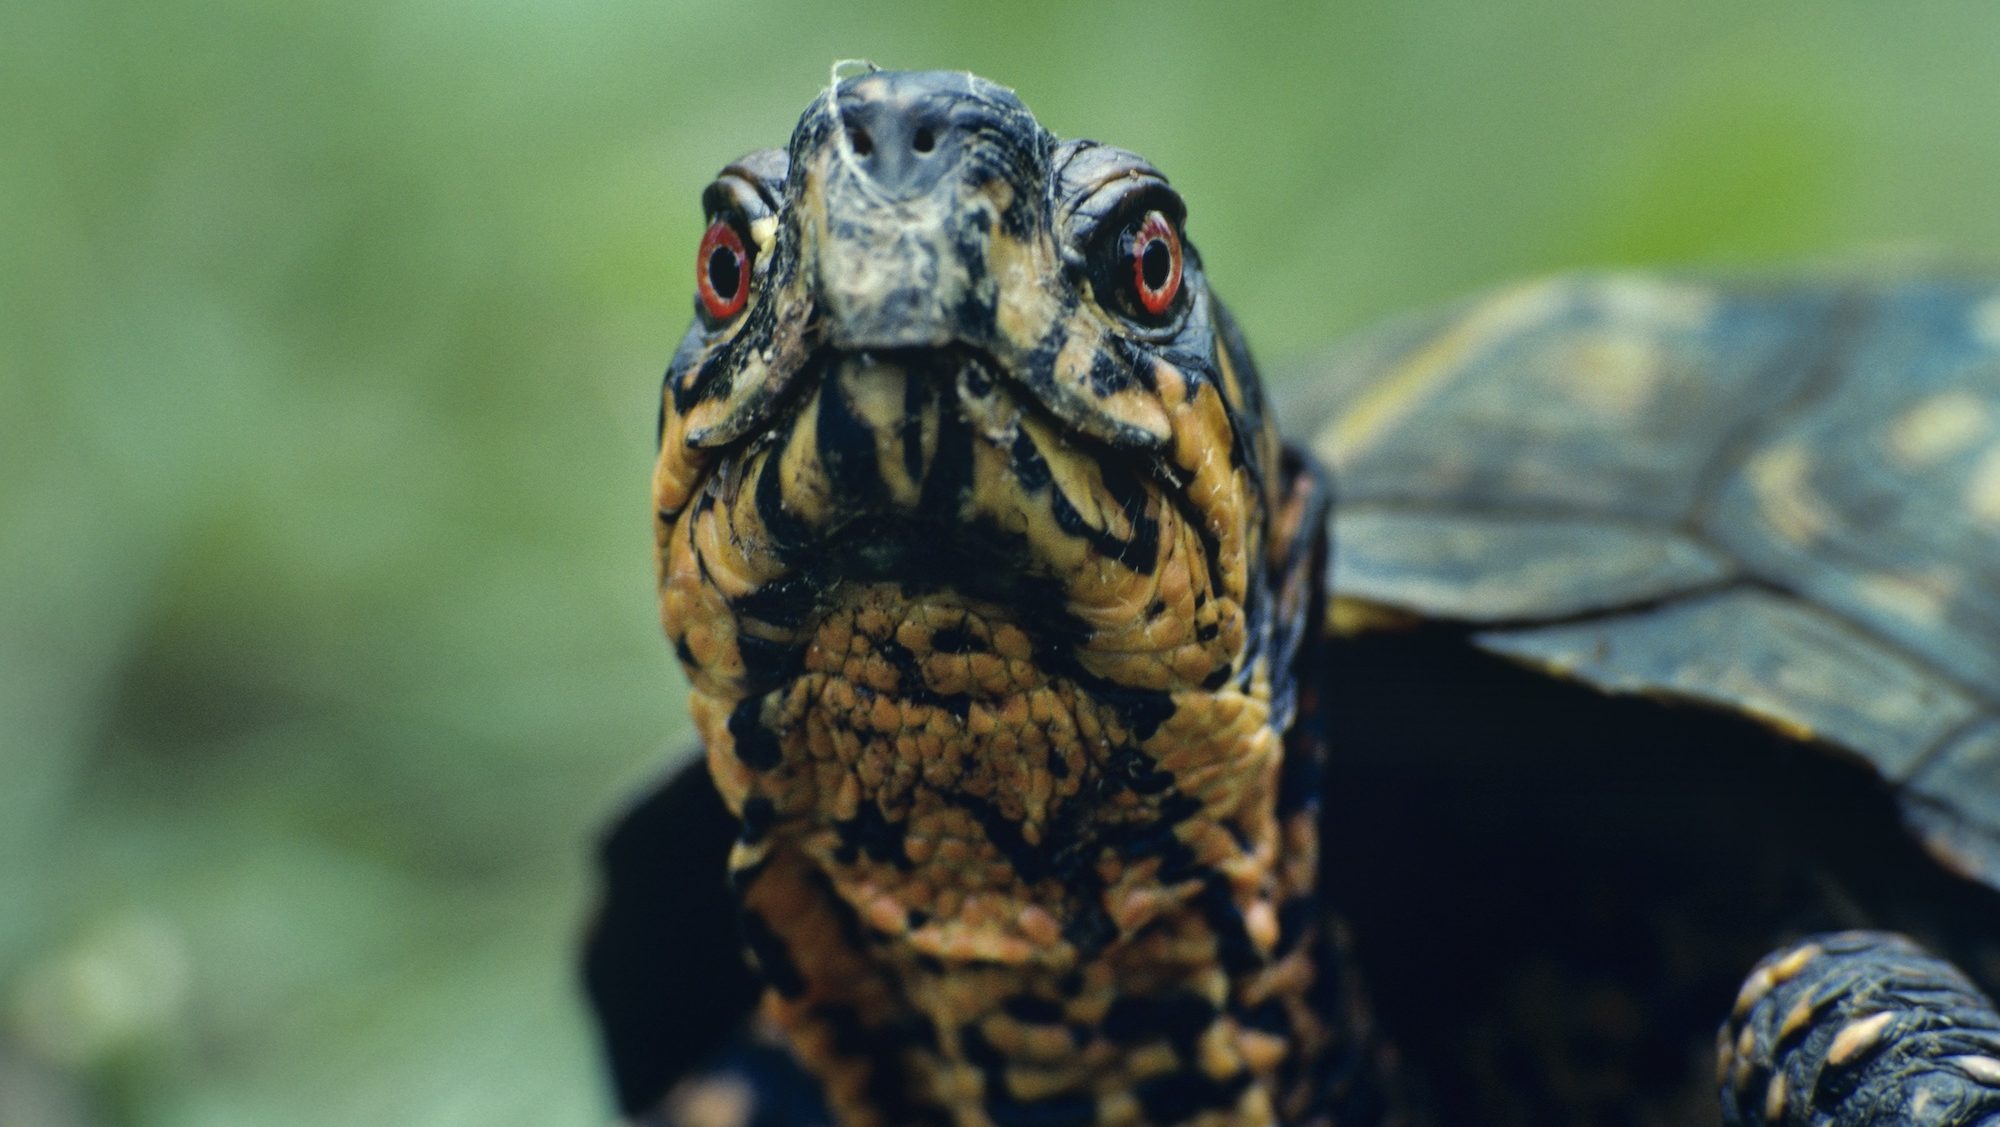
1859	1028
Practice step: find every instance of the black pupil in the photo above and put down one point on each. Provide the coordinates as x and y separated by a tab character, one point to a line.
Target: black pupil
1156	264
724	272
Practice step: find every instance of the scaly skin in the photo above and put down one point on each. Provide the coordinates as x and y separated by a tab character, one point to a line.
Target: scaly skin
992	597
1859	1028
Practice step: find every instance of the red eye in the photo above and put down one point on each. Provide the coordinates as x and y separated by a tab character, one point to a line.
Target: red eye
1156	263
722	273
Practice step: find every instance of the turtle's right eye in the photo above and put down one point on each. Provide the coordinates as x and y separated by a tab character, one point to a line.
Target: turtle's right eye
722	271
1134	258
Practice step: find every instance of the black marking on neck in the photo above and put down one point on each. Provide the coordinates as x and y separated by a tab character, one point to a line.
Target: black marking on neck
846	448
756	746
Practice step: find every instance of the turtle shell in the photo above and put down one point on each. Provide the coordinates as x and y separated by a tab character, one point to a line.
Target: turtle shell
1781	502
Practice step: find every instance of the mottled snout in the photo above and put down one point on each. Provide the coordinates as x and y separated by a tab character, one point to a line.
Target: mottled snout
901	133
915	181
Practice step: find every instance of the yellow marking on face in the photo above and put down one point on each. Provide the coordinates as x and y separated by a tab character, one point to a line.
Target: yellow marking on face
1081	483
1000	191
1027	306
878	392
1431	369
1232	383
1858	1036
1938	427
728	571
750	374
1079	353
1982	489
1780	479
805	492
679	467
1774	1099
764	232
1724	1057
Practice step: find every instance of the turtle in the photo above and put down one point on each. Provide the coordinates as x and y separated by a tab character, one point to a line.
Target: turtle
1591	714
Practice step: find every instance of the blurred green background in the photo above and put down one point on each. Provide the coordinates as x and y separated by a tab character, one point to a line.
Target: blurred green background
329	339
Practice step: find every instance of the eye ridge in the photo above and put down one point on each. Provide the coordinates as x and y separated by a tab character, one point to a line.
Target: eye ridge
722	271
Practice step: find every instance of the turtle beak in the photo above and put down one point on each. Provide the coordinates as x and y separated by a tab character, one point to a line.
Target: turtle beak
913	185
890	278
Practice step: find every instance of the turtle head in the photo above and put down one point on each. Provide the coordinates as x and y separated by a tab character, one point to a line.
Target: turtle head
929	213
950	367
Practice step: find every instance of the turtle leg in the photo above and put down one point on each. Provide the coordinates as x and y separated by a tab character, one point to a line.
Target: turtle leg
1858	1028
663	964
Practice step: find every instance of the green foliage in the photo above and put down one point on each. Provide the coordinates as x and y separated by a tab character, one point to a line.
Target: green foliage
329	337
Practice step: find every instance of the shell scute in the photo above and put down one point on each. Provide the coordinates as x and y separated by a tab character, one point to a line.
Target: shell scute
1781	501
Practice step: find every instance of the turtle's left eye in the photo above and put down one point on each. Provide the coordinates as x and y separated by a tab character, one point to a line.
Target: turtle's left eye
722	271
1136	264
1156	263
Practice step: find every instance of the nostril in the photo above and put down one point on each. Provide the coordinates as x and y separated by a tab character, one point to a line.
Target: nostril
925	140
859	140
